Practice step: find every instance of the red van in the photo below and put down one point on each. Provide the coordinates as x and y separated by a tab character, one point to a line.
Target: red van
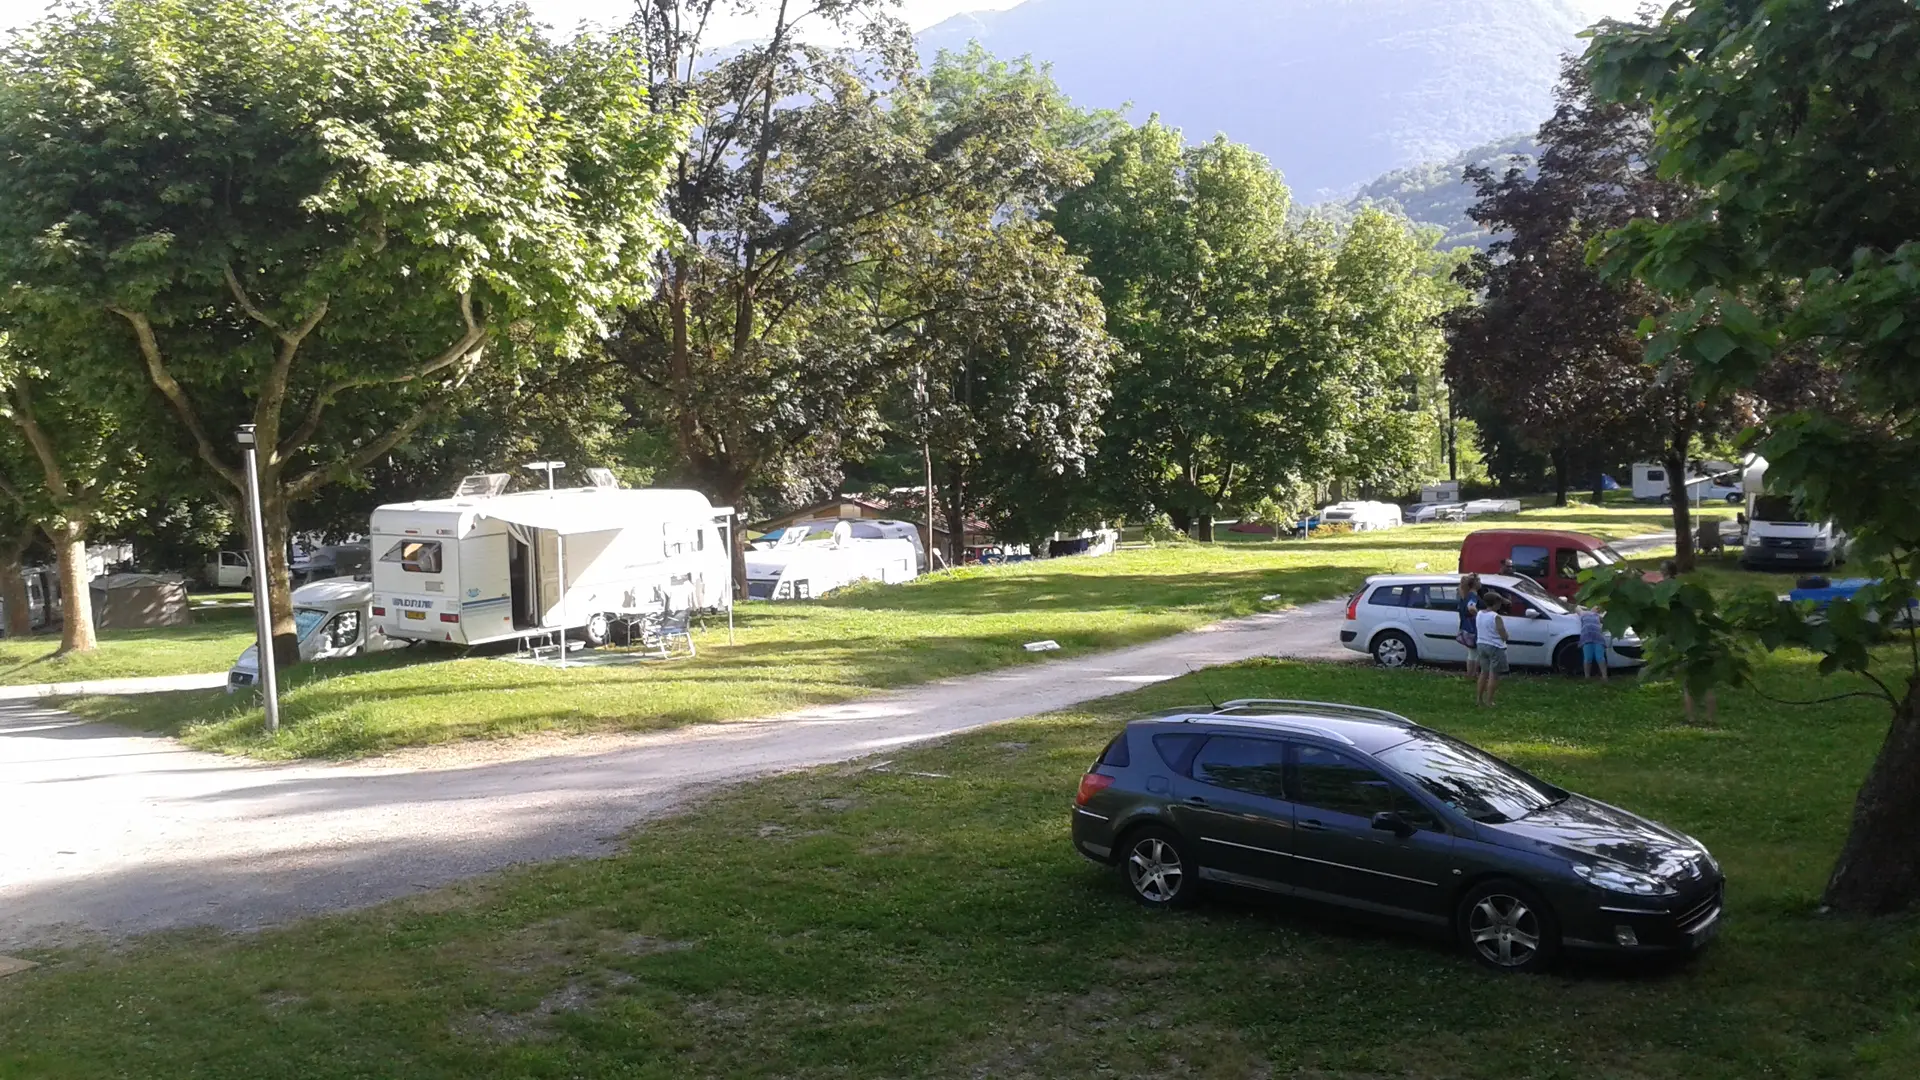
1554	559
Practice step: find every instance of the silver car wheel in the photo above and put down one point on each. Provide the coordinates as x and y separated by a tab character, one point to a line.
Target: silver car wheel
1504	930
1391	651
1154	869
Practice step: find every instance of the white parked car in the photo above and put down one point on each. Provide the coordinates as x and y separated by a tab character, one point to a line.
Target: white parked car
1402	619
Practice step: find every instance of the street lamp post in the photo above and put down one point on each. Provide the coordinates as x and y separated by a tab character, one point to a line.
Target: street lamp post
560	548
262	616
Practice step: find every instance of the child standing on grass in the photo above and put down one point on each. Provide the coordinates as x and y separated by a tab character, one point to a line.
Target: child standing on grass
1593	644
1469	608
1490	633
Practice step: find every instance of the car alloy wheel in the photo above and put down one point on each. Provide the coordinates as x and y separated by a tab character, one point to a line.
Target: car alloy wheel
1506	926
1157	871
1393	650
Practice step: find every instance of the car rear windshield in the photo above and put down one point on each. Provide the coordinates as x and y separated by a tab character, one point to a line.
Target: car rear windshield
1470	780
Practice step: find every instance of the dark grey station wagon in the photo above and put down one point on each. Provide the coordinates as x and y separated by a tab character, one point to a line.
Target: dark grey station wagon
1368	810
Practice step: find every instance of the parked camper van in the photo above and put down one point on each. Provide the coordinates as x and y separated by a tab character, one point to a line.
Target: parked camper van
1362	516
333	619
1778	536
804	565
485	566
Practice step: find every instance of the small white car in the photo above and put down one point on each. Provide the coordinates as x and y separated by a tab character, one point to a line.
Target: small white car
1402	619
333	619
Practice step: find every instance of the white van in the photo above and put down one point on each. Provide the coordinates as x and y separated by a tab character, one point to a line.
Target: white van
230	570
1362	516
333	619
480	568
1779	536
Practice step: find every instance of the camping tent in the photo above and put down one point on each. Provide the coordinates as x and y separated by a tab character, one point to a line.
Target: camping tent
131	601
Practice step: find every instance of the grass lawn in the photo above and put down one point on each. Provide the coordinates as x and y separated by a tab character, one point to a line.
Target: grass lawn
215	638
855	922
798	654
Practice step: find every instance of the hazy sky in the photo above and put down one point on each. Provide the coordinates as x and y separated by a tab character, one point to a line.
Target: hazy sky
564	14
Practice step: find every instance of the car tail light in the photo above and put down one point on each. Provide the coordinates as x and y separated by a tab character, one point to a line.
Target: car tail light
379	611
1353	607
448	616
1090	785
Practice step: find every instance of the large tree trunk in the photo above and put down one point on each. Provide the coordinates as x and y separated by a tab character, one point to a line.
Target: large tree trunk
957	513
1878	872
76	602
1676	466
13	593
1182	521
275	514
1562	478
1599	484
1203	528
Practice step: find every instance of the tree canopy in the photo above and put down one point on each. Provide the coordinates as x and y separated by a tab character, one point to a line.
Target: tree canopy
1798	121
318	218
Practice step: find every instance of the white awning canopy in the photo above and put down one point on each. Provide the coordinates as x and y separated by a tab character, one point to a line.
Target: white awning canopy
573	513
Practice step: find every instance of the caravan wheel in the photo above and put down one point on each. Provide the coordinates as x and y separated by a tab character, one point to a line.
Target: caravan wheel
599	630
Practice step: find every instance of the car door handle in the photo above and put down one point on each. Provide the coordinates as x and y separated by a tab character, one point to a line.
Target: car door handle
1195	800
1311	825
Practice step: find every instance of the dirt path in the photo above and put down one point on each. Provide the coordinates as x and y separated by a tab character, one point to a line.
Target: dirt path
113	832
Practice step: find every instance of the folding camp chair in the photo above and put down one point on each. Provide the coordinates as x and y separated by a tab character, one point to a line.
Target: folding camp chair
665	634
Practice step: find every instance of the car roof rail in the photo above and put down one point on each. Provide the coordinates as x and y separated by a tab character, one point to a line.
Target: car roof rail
1267	724
1329	709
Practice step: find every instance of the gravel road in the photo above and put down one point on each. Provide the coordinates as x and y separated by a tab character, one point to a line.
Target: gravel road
110	832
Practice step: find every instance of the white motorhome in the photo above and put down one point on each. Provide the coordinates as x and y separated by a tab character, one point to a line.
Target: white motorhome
805	564
1779	536
333	619
1362	516
483	567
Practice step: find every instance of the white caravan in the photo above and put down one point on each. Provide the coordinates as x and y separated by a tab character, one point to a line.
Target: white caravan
487	567
1779	536
801	566
862	529
1362	516
333	619
1721	484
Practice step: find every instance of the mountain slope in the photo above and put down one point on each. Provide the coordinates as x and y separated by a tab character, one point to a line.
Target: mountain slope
1436	193
1335	92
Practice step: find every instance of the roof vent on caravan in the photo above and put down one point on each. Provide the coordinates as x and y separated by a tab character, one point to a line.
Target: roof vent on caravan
482	485
603	478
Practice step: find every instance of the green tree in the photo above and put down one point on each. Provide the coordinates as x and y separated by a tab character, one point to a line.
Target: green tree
1257	359
1799	122
808	201
318	218
87	466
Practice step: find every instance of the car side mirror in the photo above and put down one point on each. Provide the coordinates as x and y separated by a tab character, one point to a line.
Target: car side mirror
1536	613
1391	821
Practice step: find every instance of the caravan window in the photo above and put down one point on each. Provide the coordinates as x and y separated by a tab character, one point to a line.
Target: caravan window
415	556
678	539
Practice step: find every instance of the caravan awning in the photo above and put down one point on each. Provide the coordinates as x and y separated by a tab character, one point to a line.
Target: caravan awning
572	513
